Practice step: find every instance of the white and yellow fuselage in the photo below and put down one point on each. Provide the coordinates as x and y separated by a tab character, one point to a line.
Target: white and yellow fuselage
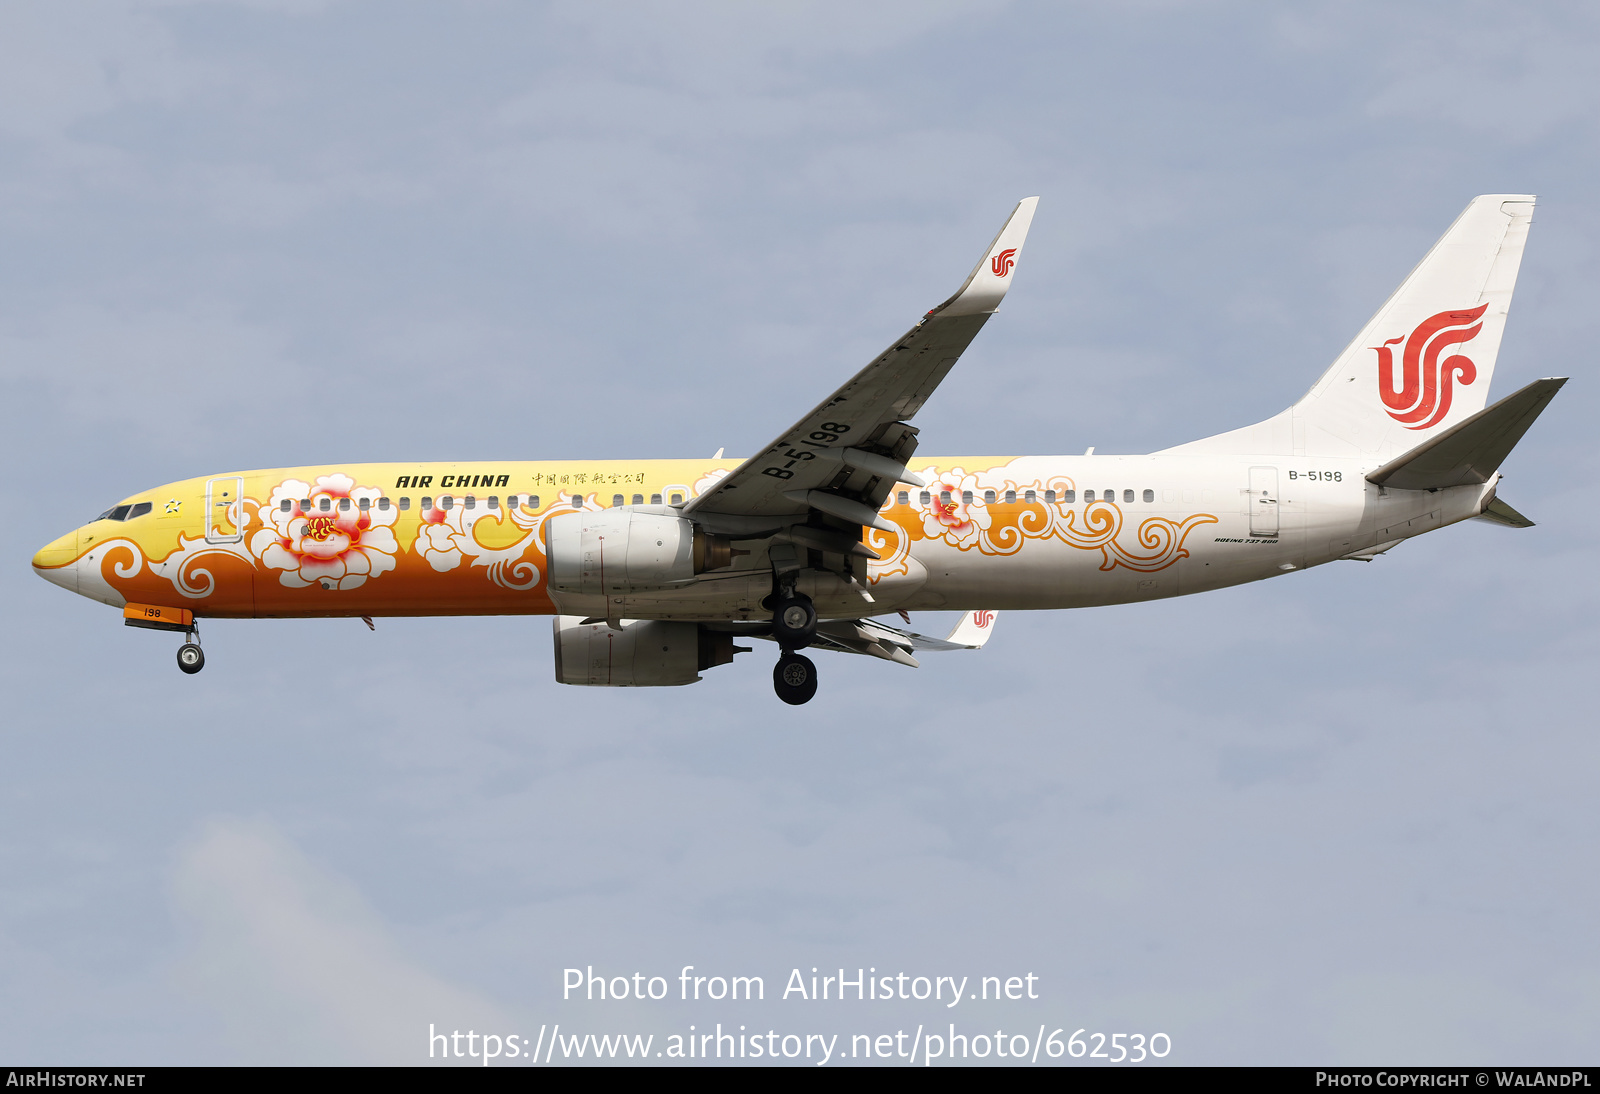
465	539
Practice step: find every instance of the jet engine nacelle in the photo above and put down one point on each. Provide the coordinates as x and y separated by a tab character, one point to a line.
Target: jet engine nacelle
605	551
646	653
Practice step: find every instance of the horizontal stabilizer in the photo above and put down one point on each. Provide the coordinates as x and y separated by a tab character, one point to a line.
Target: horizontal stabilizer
1472	451
1498	512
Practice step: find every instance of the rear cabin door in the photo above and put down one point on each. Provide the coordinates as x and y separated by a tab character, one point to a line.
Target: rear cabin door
224	515
1263	501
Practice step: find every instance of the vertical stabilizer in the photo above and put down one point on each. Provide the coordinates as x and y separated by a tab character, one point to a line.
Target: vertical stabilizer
1423	362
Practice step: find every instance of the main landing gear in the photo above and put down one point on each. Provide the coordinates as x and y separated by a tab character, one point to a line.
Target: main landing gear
794	625
794	678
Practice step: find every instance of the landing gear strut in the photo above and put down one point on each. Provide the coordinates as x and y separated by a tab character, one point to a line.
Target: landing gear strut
794	678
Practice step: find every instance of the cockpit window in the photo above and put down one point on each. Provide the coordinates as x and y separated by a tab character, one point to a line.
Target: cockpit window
119	513
139	510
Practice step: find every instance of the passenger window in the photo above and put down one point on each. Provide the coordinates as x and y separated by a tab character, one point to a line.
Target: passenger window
305	505
405	504
655	499
677	499
285	505
325	504
533	501
1127	497
494	502
638	499
966	497
1149	495
383	505
344	505
577	501
944	496
427	504
988	497
1029	496
1070	497
926	498
364	504
1050	497
447	503
617	500
1011	497
1088	495
904	497
471	501
139	510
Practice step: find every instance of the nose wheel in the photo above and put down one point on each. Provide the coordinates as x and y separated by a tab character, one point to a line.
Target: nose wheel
794	678
191	658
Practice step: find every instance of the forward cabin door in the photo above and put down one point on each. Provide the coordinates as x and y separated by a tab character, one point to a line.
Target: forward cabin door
1263	501
224	515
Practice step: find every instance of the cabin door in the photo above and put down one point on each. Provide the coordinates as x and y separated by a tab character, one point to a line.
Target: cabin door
1263	501
224	512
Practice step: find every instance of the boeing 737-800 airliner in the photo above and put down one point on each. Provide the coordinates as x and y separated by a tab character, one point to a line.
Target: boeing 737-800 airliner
655	569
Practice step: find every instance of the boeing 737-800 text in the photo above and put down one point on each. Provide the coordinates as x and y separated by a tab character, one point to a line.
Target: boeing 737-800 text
655	569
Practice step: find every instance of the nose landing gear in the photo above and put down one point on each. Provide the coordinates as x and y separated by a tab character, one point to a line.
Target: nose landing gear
150	617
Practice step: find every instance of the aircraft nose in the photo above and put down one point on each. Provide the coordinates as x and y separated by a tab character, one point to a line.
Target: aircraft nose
54	561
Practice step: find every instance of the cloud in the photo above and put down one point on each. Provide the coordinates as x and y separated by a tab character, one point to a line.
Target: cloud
296	963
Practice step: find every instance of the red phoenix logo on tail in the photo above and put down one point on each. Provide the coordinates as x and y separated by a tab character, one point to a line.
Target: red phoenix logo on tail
1001	263
1422	397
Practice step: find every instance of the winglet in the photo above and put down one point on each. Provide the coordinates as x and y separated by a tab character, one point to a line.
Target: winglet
986	286
974	629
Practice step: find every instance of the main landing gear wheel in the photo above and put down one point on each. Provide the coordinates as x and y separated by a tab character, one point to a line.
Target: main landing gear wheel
191	659
794	624
794	678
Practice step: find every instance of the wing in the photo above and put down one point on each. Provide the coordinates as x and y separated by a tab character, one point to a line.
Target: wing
844	457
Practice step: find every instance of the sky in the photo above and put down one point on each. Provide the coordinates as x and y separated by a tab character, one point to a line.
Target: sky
1345	816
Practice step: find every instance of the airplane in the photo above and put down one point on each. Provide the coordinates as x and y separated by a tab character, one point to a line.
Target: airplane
656	570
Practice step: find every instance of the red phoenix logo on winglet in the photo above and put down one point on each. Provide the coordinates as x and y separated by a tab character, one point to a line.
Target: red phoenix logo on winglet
1001	263
1422	397
982	619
